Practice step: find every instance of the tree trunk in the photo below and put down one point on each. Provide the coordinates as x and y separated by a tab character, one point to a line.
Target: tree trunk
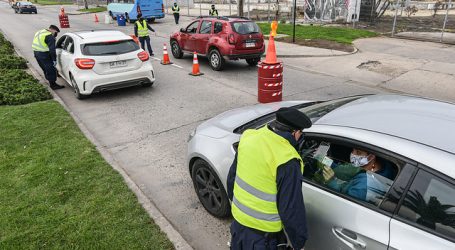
86	4
240	8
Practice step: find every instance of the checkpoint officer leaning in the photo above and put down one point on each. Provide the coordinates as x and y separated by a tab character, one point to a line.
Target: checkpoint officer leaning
176	12
265	185
213	11
141	30
43	46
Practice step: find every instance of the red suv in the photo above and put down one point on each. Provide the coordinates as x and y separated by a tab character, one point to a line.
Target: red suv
220	39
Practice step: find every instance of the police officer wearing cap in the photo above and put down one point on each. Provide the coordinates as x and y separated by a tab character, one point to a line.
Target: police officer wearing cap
213	11
44	50
265	185
141	30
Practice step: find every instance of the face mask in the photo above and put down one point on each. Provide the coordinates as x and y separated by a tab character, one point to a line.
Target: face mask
359	160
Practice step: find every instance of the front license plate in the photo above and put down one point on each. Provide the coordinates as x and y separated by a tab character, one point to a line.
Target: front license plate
250	45
117	64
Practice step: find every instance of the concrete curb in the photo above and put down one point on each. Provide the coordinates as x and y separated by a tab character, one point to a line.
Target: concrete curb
302	56
175	237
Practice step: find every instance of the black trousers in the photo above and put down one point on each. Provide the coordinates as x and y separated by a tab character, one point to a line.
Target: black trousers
176	17
45	62
146	40
244	238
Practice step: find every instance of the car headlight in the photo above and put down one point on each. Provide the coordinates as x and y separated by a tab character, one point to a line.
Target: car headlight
191	135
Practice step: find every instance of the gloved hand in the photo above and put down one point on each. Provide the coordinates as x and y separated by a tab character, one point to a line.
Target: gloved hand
54	63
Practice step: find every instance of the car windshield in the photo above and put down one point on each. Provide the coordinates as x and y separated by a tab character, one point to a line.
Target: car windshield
109	48
244	28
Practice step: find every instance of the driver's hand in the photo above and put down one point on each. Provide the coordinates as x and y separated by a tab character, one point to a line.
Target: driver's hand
327	173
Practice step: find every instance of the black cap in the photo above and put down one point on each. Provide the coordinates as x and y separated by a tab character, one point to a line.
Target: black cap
293	118
54	28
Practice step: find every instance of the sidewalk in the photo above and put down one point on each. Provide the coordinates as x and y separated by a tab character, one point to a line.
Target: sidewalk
449	38
288	50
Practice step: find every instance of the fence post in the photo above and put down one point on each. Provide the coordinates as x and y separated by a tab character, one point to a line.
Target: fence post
268	11
200	8
188	6
445	21
355	15
395	19
230	11
248	3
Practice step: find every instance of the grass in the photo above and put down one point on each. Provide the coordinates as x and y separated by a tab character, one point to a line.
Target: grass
57	192
94	10
336	34
53	2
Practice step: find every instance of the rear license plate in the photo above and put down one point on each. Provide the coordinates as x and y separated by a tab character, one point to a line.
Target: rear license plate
250	45
117	64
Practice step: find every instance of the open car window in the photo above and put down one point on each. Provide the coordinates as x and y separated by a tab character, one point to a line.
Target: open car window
192	28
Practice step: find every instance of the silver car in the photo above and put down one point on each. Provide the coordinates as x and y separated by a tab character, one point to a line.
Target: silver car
413	210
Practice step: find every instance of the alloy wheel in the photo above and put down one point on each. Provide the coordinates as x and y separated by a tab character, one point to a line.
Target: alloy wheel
209	191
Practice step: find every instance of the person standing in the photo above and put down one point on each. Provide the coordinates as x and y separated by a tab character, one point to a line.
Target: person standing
265	185
141	30
43	46
176	12
213	11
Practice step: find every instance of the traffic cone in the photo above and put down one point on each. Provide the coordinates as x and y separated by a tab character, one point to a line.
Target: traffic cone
165	60
62	11
196	71
96	19
270	57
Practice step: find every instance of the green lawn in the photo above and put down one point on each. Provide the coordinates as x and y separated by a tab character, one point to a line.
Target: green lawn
341	35
53	2
57	192
94	10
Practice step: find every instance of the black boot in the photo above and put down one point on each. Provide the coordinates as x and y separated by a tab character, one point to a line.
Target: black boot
55	86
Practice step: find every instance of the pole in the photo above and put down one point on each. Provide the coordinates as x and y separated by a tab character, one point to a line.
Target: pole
395	19
230	11
355	15
293	29
200	8
268	11
248	9
188	6
445	20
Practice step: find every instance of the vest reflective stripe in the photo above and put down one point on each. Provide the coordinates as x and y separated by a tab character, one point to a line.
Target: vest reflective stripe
176	9
260	154
213	12
142	30
39	43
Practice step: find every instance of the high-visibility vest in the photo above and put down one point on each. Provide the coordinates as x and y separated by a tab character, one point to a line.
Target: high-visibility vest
176	9
39	43
260	153
213	12
142	30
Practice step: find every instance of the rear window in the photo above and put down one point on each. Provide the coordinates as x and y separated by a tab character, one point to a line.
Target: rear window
244	28
109	48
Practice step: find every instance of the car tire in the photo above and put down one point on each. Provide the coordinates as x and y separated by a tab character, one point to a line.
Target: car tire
152	20
176	50
253	61
210	190
77	93
20	11
216	61
147	84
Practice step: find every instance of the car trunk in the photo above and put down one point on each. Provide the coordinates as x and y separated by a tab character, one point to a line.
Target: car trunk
247	35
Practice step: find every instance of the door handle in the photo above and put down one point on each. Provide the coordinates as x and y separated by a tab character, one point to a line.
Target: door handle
349	237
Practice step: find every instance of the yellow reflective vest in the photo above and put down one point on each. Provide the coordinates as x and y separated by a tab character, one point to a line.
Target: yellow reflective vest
142	30
213	12
176	9
260	153
39	43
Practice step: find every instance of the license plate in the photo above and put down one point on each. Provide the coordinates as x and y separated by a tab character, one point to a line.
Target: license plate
250	45
117	64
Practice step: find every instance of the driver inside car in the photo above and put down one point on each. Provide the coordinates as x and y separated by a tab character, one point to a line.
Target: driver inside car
366	177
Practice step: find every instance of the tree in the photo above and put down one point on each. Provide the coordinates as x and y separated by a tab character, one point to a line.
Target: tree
240	8
86	4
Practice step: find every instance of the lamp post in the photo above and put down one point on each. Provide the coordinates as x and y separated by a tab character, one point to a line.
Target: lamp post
293	28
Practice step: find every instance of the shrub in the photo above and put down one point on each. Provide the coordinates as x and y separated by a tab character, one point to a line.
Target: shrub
12	62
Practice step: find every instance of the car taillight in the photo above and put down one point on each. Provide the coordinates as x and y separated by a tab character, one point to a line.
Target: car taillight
162	8
84	63
143	56
231	39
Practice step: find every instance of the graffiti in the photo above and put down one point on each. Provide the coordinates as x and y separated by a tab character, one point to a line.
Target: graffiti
326	10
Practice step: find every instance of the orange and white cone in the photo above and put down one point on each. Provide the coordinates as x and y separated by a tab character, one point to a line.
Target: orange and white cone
96	19
195	71
165	60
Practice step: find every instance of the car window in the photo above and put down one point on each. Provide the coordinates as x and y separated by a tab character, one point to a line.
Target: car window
109	48
206	27
192	28
328	163
218	27
430	202
244	28
60	42
69	45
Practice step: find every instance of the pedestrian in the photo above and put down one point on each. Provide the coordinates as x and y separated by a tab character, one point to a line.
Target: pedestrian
213	11
44	50
176	12
265	185
141	30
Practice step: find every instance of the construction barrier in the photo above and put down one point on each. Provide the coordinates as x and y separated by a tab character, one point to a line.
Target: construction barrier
96	19
63	19
270	82
107	19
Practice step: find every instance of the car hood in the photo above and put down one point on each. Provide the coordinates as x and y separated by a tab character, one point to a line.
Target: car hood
225	123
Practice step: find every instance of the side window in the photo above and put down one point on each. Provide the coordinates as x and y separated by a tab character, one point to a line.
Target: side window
192	28
60	42
351	170
218	27
430	202
69	45
206	27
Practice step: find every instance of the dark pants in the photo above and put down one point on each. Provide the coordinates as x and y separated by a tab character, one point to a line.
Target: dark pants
176	17
46	64
146	39
244	238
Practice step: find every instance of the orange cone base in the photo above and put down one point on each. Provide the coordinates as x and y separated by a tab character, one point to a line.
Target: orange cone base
198	74
166	63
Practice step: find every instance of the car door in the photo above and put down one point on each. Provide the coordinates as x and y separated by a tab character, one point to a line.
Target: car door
203	36
66	57
335	219
189	41
58	50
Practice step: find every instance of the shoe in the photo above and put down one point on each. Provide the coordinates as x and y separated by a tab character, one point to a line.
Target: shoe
152	54
56	86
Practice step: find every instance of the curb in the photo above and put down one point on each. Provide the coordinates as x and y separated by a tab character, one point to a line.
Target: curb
356	50
160	220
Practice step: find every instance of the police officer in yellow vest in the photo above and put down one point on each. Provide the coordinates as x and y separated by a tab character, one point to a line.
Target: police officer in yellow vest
176	12
43	46
213	11
265	185
141	30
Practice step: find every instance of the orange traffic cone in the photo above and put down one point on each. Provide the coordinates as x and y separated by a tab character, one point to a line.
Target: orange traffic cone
96	19
165	60
270	57
196	71
62	11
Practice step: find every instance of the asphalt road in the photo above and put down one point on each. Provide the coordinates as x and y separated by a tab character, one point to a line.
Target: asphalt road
145	129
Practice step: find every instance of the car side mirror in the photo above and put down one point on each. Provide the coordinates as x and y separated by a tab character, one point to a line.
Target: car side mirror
182	30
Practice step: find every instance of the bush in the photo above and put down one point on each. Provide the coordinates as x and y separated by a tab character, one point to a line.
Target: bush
12	62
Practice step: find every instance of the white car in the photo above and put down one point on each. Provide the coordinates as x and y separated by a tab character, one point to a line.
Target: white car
95	61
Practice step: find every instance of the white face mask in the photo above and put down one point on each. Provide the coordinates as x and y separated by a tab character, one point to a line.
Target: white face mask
359	160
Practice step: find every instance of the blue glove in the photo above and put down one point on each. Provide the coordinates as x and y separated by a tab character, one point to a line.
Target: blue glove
54	63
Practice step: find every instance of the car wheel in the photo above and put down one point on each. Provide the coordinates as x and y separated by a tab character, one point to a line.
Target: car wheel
253	61
176	50
20	11
152	20
147	84
216	61
77	93
36	12
209	189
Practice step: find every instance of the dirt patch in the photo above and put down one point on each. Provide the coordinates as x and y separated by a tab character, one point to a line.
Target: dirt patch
318	43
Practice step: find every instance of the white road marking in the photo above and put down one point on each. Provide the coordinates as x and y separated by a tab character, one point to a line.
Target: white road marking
178	66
